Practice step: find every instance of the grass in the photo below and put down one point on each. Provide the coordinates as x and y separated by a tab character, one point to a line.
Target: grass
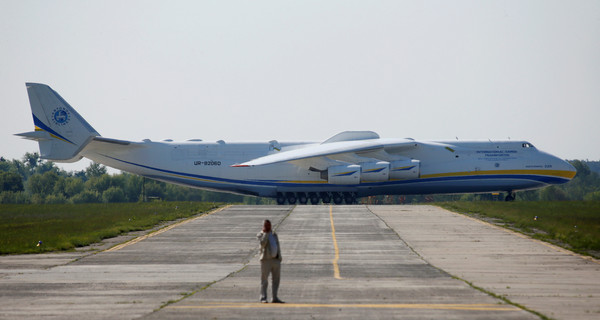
63	227
574	225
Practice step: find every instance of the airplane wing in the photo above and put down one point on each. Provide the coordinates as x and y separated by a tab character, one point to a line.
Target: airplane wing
353	151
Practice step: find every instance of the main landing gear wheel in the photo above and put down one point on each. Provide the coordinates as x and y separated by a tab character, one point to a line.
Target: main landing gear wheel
291	198
349	198
314	198
302	198
337	198
325	197
280	198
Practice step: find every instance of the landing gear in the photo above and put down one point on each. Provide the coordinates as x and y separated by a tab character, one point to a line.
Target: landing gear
280	198
291	198
314	198
349	198
510	196
325	197
337	198
302	198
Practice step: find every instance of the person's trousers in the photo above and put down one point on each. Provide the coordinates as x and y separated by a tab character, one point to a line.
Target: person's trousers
272	266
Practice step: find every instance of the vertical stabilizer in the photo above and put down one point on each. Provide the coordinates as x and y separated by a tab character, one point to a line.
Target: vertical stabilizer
60	131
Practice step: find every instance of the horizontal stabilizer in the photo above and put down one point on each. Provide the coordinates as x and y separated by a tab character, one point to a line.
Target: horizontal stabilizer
35	135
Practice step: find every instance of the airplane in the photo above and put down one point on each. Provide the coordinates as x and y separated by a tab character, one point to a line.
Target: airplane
347	166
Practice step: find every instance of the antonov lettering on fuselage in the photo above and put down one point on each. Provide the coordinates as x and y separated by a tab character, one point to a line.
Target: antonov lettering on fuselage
349	165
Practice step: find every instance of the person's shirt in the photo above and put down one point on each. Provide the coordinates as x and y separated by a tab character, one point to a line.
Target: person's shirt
273	244
267	241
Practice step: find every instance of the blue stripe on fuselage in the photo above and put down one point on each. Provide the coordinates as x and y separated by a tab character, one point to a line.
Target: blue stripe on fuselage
282	183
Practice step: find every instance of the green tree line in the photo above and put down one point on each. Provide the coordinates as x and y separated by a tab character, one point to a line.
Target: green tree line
33	180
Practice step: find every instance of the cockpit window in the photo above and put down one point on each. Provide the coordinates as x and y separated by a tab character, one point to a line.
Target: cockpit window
527	145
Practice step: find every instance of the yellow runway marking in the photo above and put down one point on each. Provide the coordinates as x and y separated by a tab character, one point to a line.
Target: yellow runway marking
469	307
336	268
165	229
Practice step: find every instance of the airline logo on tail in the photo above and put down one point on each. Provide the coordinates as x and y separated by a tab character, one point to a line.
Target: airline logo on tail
61	116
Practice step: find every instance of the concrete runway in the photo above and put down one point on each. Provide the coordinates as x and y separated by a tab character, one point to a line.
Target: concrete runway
407	262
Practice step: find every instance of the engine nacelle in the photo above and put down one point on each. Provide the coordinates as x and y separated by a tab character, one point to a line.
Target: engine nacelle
405	169
375	171
344	174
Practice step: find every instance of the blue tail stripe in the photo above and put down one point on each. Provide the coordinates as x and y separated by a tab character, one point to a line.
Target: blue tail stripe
38	123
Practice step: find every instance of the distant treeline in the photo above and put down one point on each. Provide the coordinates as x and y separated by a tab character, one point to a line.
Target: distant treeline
32	180
594	166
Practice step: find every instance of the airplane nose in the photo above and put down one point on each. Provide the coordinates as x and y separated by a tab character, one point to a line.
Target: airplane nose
569	167
568	171
561	169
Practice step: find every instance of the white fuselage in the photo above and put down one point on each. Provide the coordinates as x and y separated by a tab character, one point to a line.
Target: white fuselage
445	167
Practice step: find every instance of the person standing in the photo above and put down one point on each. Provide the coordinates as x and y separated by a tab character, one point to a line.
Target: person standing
270	261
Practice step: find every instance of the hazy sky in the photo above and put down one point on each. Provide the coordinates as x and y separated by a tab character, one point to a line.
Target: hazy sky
306	70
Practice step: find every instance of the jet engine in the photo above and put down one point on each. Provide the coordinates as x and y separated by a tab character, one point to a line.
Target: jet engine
375	171
405	169
344	174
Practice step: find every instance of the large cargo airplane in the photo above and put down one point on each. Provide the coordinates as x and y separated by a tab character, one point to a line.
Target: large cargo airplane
346	166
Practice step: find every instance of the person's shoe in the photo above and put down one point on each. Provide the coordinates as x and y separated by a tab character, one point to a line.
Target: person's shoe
277	301
263	301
